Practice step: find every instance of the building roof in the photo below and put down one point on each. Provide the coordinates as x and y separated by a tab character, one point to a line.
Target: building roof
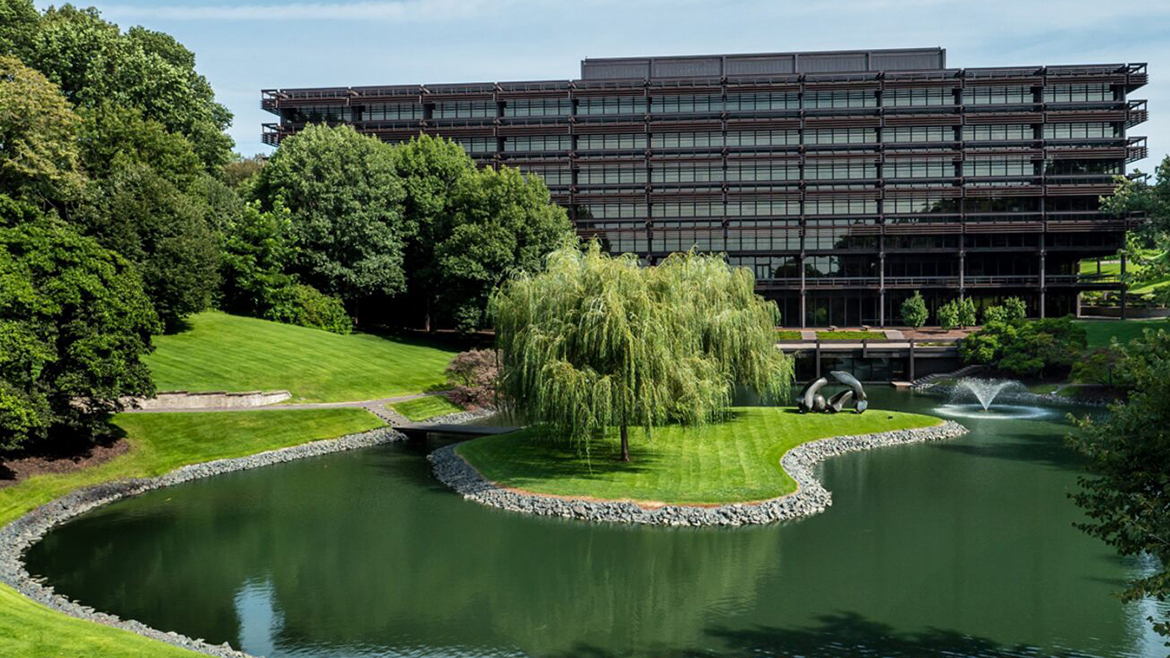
762	64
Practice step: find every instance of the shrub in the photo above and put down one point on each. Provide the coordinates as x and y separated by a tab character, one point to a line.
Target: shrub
1016	308
1027	348
914	311
308	307
967	312
473	376
1107	366
948	314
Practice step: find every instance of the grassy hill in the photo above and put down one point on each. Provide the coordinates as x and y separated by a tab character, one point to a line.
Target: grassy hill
1101	331
223	352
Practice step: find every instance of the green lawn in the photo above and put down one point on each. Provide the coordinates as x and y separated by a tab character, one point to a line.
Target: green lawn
738	460
158	443
425	408
223	352
1113	269
1100	331
851	335
787	334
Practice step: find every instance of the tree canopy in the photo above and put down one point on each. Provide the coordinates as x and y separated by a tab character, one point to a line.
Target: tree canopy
39	157
94	63
344	195
595	342
74	324
1127	499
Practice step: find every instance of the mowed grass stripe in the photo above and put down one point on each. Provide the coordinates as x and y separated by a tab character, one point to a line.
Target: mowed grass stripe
738	460
222	352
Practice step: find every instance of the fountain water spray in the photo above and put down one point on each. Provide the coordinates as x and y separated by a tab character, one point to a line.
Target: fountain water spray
984	390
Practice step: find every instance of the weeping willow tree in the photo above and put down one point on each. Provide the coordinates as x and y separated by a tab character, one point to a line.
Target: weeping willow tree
595	342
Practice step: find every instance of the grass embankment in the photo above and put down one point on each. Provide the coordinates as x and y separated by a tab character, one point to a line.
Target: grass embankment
1101	331
1112	271
159	443
425	408
738	460
223	352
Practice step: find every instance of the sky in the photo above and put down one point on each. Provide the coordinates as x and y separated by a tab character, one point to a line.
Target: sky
243	47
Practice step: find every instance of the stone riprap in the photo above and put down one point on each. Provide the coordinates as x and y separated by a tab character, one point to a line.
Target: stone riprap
809	498
18	536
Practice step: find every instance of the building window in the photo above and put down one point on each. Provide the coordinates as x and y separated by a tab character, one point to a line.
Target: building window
1083	167
763	171
840	136
539	107
999	167
686	140
918	168
611	142
840	170
321	114
761	207
1078	93
763	137
997	95
920	205
911	134
625	210
689	209
1015	131
917	97
682	236
686	173
836	99
478	144
764	235
840	207
755	102
1094	130
685	104
392	112
611	175
551	175
612	105
465	110
537	143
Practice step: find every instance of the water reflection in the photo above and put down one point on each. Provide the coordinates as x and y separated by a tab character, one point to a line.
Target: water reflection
963	548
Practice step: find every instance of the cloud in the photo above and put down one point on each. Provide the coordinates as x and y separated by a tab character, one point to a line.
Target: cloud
401	11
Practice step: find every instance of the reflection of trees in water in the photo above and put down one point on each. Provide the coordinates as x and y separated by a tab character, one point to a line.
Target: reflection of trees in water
487	577
350	563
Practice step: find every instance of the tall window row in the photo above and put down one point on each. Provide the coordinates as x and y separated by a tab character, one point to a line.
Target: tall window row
638	104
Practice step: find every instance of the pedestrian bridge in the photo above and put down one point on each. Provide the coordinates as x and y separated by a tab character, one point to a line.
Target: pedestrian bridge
419	431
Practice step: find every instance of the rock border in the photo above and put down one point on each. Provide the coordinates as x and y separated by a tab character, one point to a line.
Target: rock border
18	536
808	499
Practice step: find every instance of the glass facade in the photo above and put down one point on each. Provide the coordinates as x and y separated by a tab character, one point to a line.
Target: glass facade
843	192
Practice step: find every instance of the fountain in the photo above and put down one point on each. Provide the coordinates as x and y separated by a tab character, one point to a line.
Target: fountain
985	392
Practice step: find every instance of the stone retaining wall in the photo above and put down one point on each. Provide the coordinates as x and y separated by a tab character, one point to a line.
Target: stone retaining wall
809	498
168	400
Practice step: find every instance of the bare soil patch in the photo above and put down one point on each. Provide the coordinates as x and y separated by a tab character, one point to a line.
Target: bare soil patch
16	469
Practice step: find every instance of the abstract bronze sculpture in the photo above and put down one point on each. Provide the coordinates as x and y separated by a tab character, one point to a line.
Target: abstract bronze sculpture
812	400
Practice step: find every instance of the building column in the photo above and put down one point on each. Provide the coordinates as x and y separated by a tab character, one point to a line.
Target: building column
882	289
962	272
1043	285
1124	286
803	314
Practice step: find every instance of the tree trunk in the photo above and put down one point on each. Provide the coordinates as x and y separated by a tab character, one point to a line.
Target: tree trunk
427	321
625	442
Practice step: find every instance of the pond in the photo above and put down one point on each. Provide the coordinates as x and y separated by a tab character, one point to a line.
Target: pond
963	548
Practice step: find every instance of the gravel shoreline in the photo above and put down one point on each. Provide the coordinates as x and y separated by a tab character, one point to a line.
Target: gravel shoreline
809	498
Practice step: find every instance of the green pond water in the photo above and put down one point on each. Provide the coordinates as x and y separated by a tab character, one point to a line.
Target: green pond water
963	548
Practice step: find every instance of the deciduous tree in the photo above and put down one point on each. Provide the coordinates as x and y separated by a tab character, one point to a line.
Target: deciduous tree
914	312
1127	499
595	342
74	324
38	137
344	194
